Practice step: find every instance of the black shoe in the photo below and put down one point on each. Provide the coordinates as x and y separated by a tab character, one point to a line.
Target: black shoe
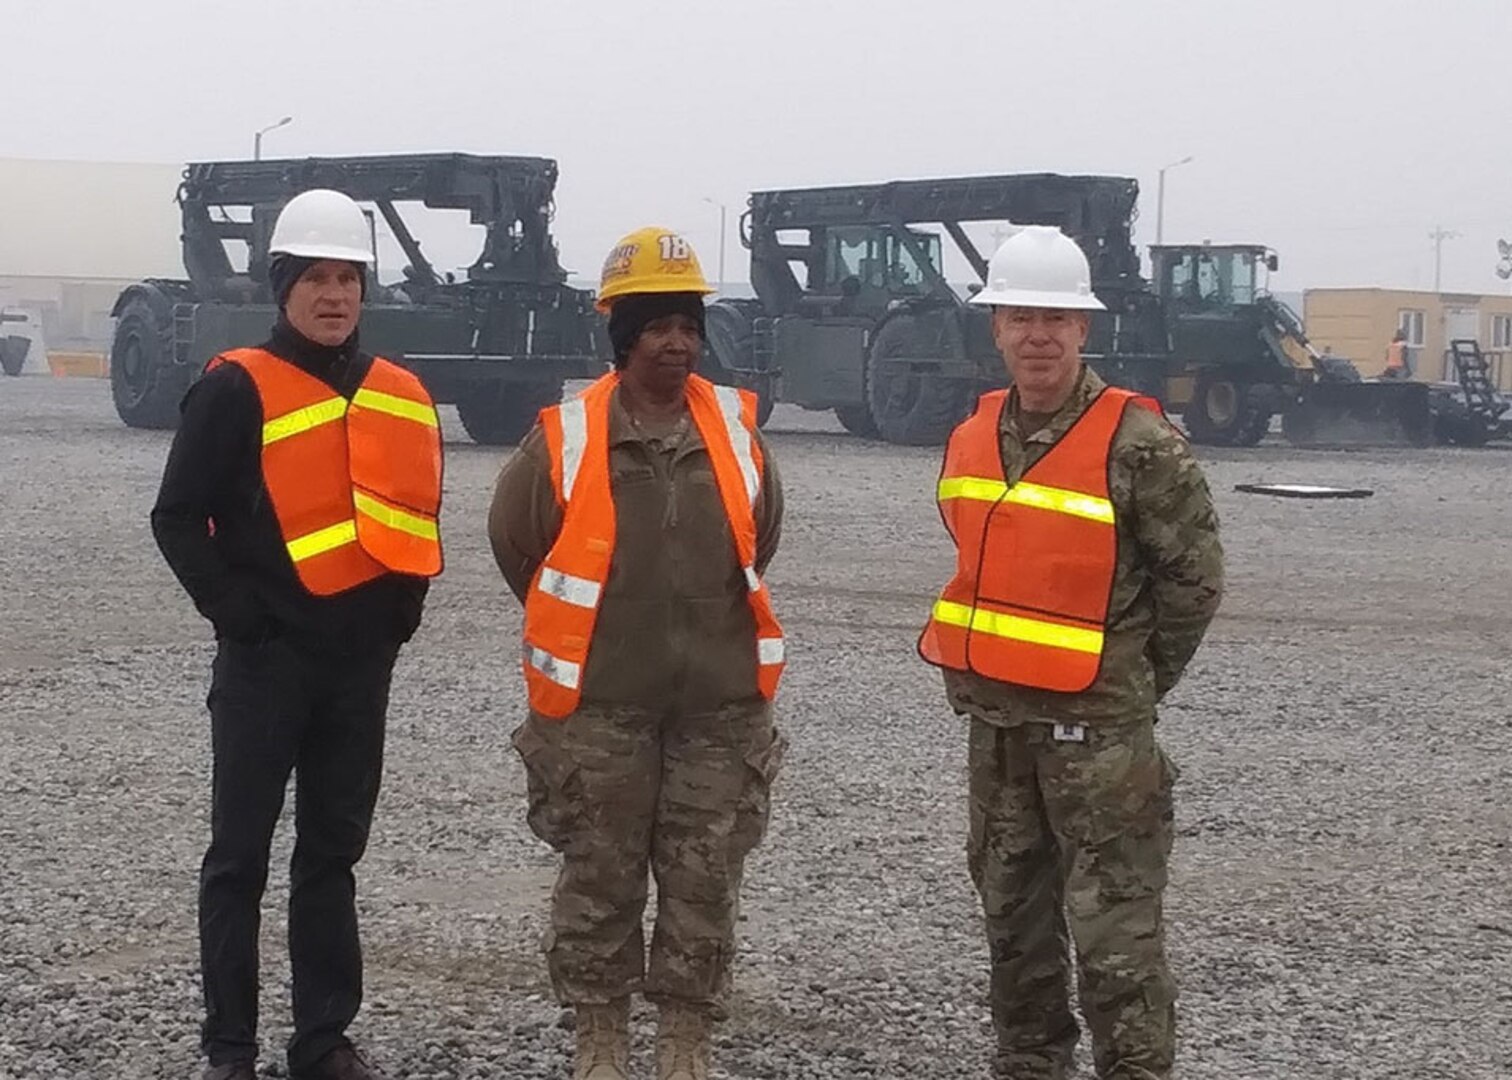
342	1063
235	1070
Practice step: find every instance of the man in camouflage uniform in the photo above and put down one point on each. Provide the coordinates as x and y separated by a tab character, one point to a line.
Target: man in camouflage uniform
1070	793
668	758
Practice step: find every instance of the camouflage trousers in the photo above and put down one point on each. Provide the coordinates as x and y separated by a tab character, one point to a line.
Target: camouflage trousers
1080	833
621	790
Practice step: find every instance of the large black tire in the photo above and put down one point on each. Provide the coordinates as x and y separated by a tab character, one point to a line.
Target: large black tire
145	383
13	350
909	409
502	413
730	347
1300	426
764	402
1225	412
728	344
857	419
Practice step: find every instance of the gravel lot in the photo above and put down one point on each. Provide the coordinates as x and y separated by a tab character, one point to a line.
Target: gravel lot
1342	896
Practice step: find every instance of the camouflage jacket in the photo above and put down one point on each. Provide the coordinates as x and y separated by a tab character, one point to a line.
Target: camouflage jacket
674	628
1167	581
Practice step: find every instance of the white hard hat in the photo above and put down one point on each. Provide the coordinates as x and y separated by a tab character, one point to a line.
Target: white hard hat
322	224
1039	266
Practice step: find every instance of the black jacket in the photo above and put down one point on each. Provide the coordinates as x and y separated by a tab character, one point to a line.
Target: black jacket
239	574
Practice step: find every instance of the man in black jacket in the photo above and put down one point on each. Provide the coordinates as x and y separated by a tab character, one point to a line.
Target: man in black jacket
305	644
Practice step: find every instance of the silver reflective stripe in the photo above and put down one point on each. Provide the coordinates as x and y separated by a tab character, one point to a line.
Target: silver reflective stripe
770	650
562	672
577	591
740	439
752	581
574	442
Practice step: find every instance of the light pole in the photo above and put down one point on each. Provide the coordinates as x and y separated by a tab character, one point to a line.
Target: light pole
722	212
1438	236
257	138
1160	199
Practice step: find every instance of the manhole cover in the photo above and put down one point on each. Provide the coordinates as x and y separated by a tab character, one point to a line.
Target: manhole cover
1304	491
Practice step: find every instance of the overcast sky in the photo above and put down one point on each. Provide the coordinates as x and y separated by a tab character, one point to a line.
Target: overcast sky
1338	131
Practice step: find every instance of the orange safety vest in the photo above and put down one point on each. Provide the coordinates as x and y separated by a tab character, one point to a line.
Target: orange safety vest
1396	355
1035	560
562	605
355	485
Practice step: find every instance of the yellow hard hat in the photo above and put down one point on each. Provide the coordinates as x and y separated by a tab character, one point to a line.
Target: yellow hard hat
650	260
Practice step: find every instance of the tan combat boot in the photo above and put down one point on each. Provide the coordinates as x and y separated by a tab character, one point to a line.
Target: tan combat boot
683	1043
603	1041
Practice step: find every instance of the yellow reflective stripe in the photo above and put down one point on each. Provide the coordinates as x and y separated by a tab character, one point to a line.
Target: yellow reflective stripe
1062	501
1018	628
324	412
971	487
403	408
395	518
1023	493
322	540
301	420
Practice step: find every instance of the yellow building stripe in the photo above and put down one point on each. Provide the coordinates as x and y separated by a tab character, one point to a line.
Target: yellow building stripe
395	518
1058	500
1018	628
301	420
403	408
322	540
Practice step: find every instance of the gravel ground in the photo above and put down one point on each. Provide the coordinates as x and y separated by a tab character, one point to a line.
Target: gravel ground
1341	904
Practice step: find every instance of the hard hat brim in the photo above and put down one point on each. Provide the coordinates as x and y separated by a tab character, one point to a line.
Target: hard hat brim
1033	299
325	251
642	288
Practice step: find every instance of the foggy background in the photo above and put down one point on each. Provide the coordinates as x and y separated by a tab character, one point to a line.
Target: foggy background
1340	133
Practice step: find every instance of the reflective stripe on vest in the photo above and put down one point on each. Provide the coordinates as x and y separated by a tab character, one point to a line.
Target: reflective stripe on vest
1025	494
396	517
355	487
1028	604
574	444
345	532
740	441
418	411
561	608
322	540
579	592
302	420
1019	628
563	673
332	409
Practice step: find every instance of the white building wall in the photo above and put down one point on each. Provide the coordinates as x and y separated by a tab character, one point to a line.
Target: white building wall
88	220
72	235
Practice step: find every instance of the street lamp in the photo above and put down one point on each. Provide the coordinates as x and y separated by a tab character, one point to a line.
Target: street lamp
1438	236
257	138
722	212
1160	199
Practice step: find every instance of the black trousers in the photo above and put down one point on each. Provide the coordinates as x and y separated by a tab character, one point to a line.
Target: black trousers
277	708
